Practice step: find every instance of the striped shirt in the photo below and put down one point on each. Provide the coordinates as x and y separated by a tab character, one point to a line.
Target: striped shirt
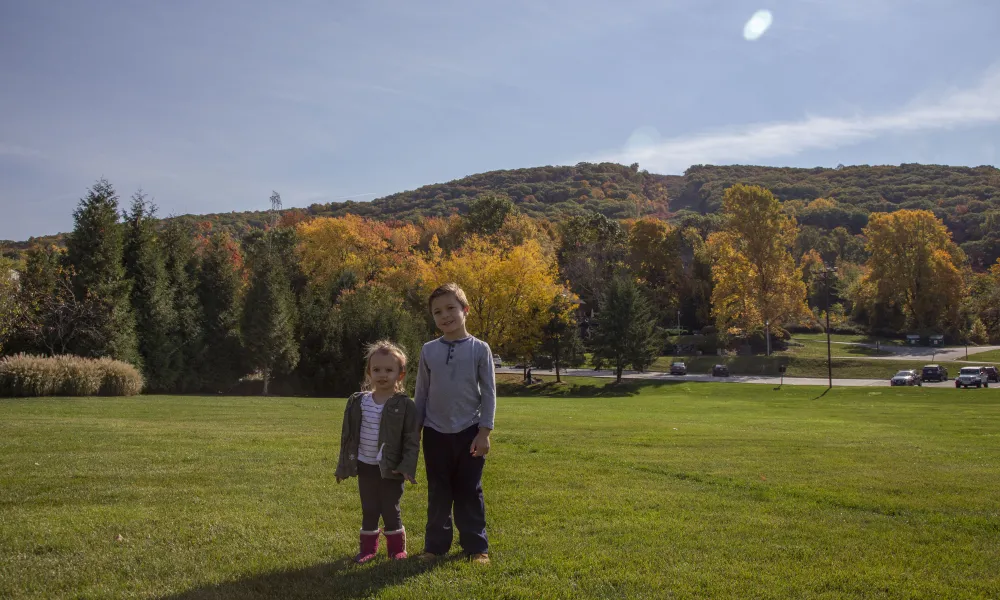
371	416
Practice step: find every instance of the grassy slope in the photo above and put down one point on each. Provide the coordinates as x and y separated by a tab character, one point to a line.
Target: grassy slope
986	357
695	490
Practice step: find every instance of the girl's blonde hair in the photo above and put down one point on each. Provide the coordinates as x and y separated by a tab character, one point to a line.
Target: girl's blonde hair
383	347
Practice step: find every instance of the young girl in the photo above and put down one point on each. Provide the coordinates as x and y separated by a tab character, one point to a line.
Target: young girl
379	443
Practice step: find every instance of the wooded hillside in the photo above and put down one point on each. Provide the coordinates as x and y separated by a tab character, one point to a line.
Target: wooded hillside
966	199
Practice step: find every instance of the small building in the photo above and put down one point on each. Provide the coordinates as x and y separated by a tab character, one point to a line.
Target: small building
937	340
913	339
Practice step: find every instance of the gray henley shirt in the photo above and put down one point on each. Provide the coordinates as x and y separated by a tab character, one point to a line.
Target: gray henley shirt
456	387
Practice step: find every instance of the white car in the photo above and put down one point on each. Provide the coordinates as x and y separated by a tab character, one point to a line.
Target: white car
972	376
497	362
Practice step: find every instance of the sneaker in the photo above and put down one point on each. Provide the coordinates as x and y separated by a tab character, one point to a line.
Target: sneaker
480	558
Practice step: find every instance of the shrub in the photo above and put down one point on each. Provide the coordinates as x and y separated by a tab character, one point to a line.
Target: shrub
978	333
26	375
77	377
119	378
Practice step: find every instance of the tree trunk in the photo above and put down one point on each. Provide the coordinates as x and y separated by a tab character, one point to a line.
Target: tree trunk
558	379
267	378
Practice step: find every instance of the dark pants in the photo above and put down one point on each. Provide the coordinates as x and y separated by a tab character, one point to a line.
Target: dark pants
379	498
454	480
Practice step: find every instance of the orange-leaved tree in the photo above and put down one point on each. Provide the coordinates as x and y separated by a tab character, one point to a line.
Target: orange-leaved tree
756	280
915	266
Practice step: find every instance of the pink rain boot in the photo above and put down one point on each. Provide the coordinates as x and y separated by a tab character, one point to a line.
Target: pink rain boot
369	546
395	543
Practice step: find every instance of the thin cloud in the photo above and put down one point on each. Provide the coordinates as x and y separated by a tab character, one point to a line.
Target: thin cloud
19	151
959	108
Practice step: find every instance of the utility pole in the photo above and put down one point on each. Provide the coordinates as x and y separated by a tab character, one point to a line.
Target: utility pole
767	332
829	354
677	346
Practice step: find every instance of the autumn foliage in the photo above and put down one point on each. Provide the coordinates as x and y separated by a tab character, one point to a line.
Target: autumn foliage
756	279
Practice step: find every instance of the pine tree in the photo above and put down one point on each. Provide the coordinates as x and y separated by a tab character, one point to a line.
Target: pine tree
220	289
626	329
363	315
155	317
269	314
94	252
181	268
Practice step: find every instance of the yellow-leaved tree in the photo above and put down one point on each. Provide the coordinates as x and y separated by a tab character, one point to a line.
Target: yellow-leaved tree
510	290
654	258
915	266
756	280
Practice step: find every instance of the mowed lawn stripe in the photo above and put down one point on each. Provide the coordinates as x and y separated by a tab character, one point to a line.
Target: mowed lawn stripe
684	490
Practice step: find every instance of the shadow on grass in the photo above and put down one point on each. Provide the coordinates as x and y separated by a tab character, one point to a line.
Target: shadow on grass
342	579
823	394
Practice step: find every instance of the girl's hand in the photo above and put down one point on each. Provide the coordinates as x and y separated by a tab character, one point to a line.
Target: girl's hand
408	477
339	479
481	445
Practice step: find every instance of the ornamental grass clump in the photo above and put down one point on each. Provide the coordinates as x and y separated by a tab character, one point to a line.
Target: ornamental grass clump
25	375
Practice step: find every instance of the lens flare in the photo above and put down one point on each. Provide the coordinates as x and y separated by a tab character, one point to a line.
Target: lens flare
757	25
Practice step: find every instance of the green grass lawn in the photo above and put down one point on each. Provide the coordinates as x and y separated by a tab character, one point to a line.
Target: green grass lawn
640	490
808	348
992	356
844	338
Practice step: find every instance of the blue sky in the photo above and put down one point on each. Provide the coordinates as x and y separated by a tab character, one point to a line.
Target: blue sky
209	105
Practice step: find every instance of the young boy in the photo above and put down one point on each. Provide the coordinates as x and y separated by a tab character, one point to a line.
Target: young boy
456	402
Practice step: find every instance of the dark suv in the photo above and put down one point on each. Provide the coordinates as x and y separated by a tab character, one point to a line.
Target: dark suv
934	373
992	375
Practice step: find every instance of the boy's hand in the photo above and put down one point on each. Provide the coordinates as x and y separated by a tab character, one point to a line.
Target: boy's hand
481	445
339	479
408	477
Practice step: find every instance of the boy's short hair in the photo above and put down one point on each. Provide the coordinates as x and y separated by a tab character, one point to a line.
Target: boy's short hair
449	288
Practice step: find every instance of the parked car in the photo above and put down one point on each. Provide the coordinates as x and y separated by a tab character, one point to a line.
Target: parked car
678	368
720	371
497	362
905	378
972	376
934	373
992	374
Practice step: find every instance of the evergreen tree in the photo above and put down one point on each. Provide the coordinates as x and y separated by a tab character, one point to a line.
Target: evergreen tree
219	289
362	316
319	335
156	320
269	314
181	268
626	329
94	252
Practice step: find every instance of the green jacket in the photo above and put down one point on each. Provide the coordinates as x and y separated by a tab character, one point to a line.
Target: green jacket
398	430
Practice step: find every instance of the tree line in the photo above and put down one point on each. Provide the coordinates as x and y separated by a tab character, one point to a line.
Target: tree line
291	304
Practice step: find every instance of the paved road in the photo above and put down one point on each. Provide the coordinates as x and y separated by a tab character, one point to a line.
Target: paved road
658	376
929	354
